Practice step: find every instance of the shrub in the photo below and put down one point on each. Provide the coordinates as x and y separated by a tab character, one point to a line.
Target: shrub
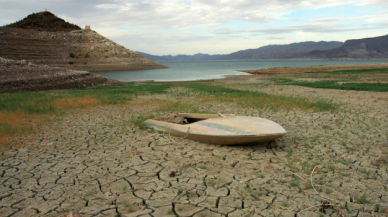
294	183
86	55
362	199
71	62
71	55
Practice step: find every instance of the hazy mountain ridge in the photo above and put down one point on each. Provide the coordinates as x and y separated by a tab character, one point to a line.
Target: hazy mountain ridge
282	51
366	48
293	50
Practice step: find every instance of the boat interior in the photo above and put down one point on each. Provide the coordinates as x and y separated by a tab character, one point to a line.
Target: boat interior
186	118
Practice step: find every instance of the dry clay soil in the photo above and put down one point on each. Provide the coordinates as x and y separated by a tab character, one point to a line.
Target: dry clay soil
95	162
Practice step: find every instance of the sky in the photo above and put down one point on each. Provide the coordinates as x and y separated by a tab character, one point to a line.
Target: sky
171	27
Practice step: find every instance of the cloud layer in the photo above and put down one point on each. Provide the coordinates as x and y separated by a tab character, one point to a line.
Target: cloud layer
212	26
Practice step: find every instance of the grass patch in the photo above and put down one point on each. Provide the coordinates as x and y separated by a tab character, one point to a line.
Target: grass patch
350	72
341	79
204	167
333	84
211	182
245	98
128	206
24	112
295	183
170	212
361	199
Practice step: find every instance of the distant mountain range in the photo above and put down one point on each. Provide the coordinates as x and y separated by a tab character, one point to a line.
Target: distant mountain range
366	48
267	52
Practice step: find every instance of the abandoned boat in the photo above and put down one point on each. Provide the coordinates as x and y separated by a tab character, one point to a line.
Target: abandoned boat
217	128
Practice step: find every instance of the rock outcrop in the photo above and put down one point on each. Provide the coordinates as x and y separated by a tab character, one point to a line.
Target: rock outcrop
51	42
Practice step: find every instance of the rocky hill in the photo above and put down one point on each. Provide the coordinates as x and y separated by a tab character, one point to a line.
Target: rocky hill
44	21
365	48
294	50
43	38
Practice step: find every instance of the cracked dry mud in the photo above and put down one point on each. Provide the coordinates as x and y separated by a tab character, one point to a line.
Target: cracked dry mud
94	162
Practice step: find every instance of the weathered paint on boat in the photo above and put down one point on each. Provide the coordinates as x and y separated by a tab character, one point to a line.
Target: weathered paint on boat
226	130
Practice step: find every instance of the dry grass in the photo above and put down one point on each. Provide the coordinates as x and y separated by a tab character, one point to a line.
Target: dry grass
18	123
158	103
73	102
15	124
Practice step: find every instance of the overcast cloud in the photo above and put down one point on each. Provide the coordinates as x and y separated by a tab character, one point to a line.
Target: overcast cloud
212	26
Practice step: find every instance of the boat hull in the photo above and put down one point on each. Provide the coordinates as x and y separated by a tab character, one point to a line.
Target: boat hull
229	130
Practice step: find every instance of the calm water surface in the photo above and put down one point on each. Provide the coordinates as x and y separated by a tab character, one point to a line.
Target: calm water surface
190	71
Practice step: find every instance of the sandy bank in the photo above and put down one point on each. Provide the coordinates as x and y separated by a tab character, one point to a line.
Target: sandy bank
303	69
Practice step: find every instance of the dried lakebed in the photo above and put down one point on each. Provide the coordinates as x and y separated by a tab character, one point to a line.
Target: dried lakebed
95	162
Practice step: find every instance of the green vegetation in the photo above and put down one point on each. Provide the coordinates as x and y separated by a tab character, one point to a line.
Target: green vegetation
21	111
211	182
285	203
50	101
128	206
86	55
170	212
340	85
90	193
252	99
71	55
361	199
259	193
204	167
295	183
354	72
71	63
343	80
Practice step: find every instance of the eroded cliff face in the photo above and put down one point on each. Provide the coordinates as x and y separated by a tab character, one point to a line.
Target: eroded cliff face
376	48
79	49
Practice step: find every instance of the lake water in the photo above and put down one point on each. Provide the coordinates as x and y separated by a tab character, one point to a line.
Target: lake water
191	71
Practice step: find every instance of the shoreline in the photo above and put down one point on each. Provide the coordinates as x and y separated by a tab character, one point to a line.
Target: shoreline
46	77
178	82
303	69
